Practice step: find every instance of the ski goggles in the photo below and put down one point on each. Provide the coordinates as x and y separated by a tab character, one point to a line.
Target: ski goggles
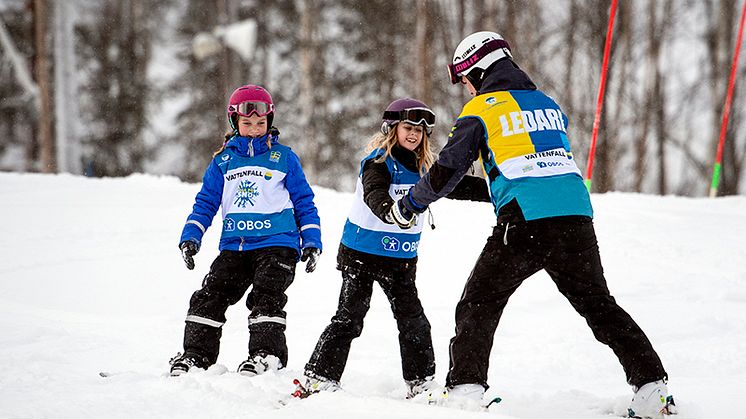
455	69
414	116
247	108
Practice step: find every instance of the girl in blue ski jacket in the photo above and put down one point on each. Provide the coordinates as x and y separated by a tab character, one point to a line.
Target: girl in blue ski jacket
373	249
269	222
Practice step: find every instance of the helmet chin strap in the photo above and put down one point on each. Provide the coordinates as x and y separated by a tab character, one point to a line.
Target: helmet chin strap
233	121
476	77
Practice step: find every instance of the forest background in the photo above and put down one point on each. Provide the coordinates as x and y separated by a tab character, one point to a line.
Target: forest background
138	100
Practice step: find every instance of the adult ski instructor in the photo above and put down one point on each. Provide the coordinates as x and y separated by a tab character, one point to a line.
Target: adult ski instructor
544	221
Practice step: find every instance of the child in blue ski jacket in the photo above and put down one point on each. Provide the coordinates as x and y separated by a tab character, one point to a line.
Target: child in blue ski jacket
269	222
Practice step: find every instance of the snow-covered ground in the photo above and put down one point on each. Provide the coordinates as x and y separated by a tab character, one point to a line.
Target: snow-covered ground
91	280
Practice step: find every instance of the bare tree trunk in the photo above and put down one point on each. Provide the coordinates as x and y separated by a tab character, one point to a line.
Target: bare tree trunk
570	48
227	11
479	18
654	105
719	41
309	15
442	19
660	95
734	168
461	19
624	73
46	142
510	31
422	70
447	19
660	131
653	55
604	144
464	30
730	165
490	15
140	54
66	90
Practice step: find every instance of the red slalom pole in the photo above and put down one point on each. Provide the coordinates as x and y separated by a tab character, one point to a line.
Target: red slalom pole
726	109
600	101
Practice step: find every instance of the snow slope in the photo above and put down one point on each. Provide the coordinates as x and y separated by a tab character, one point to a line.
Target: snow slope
91	280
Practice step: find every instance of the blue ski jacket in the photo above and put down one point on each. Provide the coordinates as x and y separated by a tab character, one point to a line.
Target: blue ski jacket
265	198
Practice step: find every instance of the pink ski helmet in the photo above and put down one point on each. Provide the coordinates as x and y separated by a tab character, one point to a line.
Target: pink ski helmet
247	100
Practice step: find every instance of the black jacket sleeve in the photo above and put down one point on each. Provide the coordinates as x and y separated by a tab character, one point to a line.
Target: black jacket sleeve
471	188
461	150
376	182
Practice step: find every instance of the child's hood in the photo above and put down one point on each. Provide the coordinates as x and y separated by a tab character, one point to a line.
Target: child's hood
252	146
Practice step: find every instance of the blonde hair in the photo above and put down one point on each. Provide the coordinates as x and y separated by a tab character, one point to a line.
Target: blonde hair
227	137
425	156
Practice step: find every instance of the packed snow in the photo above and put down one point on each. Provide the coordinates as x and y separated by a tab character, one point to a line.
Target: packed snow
92	281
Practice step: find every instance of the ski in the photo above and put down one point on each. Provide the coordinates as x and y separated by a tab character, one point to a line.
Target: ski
301	392
495	400
108	374
441	399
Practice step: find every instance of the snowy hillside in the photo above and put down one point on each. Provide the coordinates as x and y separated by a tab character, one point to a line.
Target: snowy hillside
91	280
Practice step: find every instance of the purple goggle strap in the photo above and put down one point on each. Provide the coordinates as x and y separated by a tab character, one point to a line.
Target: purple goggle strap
414	116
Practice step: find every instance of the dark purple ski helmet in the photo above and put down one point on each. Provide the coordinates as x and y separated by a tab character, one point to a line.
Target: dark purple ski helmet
408	110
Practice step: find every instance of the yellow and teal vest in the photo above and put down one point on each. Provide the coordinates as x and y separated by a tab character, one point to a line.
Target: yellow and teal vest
529	157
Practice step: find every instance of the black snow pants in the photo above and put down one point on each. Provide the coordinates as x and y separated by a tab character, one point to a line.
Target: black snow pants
415	343
566	248
270	270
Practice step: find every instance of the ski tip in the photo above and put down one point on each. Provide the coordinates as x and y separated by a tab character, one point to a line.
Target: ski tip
296	381
496	400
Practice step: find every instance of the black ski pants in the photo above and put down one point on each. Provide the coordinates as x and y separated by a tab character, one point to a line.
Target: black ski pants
415	343
566	248
270	270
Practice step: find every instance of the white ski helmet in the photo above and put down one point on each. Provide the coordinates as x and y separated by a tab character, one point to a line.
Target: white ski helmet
477	51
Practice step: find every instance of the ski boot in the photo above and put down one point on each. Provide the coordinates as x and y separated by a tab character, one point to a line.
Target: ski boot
181	364
259	364
420	386
652	401
312	385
